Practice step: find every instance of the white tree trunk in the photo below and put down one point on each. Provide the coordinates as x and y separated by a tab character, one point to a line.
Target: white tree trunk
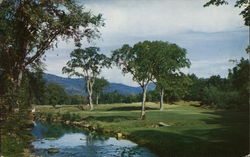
97	99
144	95
89	89
161	99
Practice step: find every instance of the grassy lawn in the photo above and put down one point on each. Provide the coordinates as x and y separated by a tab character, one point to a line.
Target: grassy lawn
192	132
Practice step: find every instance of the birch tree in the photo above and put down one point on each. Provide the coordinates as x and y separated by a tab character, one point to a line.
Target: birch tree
168	59
99	85
136	61
86	63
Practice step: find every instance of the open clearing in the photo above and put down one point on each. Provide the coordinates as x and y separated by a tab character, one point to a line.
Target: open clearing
193	131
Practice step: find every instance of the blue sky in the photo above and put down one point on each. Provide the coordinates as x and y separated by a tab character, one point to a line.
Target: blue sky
211	35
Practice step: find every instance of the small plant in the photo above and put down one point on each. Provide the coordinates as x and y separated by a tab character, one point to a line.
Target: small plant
66	116
75	117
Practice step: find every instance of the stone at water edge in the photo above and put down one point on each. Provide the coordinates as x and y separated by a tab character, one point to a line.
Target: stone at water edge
119	135
162	124
33	110
53	150
50	138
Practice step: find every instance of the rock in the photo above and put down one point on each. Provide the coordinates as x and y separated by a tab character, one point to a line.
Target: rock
196	105
86	125
76	123
53	150
50	138
119	135
161	124
67	122
33	110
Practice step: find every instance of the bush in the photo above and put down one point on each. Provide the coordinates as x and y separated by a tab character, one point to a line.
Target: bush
75	117
221	99
66	116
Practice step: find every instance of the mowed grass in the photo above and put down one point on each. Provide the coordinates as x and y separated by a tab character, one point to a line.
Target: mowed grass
193	131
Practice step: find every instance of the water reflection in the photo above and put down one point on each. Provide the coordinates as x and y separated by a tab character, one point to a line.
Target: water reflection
72	142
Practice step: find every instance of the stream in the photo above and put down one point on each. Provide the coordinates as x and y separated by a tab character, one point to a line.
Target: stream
55	140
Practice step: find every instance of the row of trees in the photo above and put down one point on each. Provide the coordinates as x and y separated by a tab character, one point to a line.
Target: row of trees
157	61
230	92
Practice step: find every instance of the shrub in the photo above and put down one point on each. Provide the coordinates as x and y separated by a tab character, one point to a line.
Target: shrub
66	116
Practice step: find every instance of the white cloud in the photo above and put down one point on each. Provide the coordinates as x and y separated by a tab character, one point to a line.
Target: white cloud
145	18
184	22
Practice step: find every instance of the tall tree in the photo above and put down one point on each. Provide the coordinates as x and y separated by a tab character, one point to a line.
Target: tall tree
168	60
28	28
238	3
137	61
87	63
98	87
239	78
54	95
175	86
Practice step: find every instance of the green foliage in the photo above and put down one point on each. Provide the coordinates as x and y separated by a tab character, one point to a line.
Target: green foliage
115	97
15	132
153	96
66	116
90	63
222	99
232	92
71	117
55	95
195	91
28	29
98	87
136	60
77	99
88	60
176	86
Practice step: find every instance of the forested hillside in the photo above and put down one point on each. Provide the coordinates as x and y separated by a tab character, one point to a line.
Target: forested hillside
77	85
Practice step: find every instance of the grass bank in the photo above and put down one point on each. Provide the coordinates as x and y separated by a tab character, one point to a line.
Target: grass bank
192	132
15	133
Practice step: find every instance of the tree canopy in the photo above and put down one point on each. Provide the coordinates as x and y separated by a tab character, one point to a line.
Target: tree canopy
98	87
86	63
137	61
28	28
168	59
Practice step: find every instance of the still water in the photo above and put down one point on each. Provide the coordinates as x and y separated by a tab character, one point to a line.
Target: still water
72	142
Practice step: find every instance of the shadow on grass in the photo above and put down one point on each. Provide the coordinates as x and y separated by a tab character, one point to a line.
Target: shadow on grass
230	139
109	118
131	108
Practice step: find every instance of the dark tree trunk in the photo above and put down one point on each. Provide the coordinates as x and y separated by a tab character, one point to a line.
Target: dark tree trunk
161	100
17	81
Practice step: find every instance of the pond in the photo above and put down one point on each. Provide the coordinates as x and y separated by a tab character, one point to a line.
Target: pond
54	140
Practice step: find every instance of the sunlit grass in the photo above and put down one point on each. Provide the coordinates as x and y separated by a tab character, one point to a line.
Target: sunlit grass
192	132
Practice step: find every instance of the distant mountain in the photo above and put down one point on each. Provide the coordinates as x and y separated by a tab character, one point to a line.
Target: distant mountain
77	86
